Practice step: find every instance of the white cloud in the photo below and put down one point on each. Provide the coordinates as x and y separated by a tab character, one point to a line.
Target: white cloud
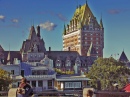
15	20
49	26
2	18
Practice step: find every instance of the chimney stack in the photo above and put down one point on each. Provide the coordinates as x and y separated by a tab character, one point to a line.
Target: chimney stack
49	49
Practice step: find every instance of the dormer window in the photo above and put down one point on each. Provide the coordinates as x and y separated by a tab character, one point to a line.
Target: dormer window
68	63
31	56
58	64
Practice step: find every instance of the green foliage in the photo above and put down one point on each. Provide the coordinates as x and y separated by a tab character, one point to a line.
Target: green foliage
5	79
108	71
64	72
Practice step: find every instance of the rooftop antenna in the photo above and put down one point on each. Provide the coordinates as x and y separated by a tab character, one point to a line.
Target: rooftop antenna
77	3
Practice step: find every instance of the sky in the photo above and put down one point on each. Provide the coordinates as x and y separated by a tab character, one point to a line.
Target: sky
17	16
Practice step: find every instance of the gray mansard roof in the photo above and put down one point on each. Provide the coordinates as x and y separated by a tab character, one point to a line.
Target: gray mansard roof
72	55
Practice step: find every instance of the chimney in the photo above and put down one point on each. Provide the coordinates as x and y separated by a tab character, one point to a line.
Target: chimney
49	49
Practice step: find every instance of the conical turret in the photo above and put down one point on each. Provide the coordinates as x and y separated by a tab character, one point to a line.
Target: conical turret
123	57
32	33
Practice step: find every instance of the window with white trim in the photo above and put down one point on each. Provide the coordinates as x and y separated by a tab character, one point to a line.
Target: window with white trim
72	84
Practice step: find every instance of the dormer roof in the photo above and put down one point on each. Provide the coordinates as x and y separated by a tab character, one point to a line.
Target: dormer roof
1	49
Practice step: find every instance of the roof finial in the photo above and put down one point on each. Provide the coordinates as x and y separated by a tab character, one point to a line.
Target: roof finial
64	29
101	23
86	2
77	3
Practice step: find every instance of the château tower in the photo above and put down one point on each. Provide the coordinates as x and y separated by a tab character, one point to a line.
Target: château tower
82	31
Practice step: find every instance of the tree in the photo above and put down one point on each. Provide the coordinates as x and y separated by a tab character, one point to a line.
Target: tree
108	71
5	79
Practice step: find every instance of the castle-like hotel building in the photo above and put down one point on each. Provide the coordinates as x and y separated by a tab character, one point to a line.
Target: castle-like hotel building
84	33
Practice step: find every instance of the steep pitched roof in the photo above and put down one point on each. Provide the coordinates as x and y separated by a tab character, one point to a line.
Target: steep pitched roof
91	50
1	49
123	57
13	54
82	14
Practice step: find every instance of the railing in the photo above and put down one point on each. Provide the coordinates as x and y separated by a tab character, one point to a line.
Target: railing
61	93
111	94
40	76
75	93
3	93
50	94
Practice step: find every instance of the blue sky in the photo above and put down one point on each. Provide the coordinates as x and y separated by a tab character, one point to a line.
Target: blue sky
17	16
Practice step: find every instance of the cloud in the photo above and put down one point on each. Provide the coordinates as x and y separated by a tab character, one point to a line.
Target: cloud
57	15
15	20
2	18
114	11
49	26
117	11
61	17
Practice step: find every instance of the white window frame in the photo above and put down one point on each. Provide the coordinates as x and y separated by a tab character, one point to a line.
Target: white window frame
72	84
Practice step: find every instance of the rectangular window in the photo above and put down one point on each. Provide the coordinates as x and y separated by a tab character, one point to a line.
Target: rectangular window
12	72
40	83
72	84
22	73
34	72
49	84
33	83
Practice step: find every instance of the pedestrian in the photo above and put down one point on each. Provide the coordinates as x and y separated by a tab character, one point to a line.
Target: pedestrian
24	89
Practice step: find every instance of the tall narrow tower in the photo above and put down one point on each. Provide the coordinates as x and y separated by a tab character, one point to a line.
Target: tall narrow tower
83	30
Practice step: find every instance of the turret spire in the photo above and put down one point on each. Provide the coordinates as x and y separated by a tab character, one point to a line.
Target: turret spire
8	57
101	23
64	30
